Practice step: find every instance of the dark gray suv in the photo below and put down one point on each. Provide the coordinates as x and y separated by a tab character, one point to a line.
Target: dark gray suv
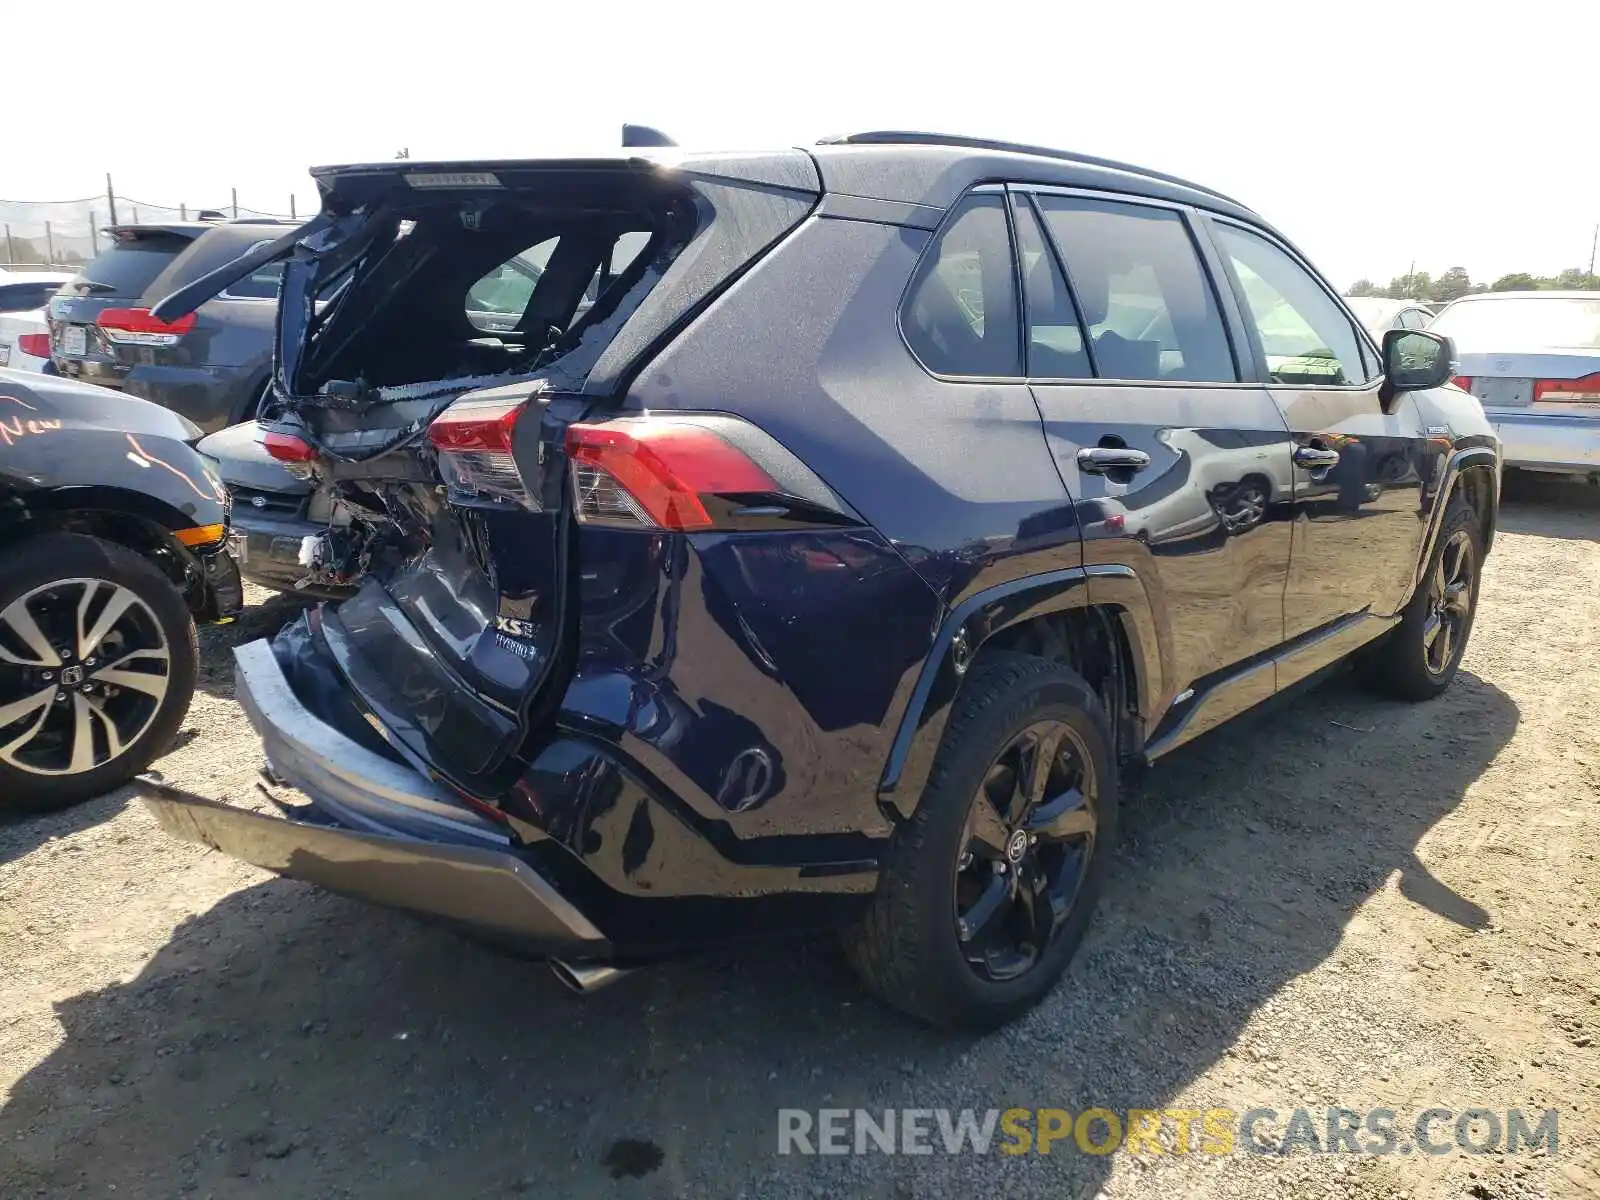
210	366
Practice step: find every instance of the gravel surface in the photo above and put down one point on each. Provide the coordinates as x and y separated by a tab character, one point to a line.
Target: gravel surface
1338	901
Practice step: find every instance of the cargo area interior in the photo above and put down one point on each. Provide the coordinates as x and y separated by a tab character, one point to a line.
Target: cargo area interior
502	283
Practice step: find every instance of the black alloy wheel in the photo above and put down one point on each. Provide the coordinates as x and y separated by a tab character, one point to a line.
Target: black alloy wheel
1029	841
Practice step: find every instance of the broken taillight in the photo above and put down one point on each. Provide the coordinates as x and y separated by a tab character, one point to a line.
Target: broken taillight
473	439
657	473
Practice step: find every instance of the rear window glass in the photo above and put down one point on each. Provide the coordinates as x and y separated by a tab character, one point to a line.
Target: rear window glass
514	289
1532	322
261	285
24	297
127	268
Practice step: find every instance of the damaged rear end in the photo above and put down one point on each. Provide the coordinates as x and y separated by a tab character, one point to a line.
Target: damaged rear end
453	350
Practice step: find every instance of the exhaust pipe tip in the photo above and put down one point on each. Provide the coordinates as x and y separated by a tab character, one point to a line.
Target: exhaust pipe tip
584	978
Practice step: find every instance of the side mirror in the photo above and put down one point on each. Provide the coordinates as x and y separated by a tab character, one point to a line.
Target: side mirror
1414	360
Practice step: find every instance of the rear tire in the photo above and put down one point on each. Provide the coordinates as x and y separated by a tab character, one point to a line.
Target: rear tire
933	944
124	695
1411	662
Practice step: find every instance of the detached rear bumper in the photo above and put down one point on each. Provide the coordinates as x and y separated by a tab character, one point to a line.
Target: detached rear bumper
374	829
476	886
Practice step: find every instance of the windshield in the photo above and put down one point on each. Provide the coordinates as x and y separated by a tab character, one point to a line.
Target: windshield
1556	321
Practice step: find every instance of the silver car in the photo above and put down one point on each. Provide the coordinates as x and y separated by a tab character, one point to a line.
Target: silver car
1533	360
1381	314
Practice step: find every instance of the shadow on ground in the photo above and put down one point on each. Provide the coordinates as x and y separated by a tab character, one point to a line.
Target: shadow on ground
1549	506
290	1043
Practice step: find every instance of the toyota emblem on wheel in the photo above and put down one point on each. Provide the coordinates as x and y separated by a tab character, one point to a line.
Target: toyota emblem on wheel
1017	847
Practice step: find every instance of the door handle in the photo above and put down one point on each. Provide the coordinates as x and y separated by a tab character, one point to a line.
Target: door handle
1315	458
1101	460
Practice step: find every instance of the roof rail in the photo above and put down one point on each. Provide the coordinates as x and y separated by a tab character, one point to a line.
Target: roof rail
901	137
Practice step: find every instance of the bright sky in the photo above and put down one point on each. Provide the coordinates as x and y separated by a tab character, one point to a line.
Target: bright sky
1372	134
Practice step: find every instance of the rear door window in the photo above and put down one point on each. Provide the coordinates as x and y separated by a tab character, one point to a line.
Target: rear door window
128	267
1305	335
960	313
1055	336
1146	301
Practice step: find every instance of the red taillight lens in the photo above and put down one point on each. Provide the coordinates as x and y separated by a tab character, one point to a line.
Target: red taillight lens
656	473
1464	382
1585	390
286	447
136	327
36	344
474	441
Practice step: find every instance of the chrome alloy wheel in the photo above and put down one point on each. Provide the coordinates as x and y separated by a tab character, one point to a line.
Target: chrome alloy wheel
84	667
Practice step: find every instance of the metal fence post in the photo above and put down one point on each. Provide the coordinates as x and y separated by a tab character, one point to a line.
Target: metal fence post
11	253
292	215
111	198
50	242
235	203
183	211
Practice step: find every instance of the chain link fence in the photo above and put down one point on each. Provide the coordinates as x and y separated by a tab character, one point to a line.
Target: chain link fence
70	232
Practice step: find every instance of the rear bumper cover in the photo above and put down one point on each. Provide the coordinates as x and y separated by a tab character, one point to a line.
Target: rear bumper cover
375	829
477	886
1549	441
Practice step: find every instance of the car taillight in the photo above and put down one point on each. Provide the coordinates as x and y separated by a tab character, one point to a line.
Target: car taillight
286	447
474	443
1586	389
1464	382
657	473
36	344
136	327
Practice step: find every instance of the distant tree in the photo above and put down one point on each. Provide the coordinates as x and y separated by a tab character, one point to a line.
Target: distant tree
1519	281
1410	287
1362	287
1452	285
1573	279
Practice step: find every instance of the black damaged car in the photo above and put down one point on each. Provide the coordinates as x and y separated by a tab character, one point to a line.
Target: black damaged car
112	545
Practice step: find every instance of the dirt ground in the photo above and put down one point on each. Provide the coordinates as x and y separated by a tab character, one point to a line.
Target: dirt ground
1336	902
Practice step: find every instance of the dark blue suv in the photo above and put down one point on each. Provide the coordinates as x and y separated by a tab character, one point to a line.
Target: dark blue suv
890	501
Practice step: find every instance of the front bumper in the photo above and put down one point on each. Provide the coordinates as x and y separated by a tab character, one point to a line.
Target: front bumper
268	552
374	829
1560	442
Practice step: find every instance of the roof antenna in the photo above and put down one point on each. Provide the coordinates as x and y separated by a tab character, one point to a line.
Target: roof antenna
643	135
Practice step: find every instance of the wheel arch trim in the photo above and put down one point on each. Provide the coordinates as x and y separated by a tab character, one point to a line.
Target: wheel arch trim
1461	460
973	622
